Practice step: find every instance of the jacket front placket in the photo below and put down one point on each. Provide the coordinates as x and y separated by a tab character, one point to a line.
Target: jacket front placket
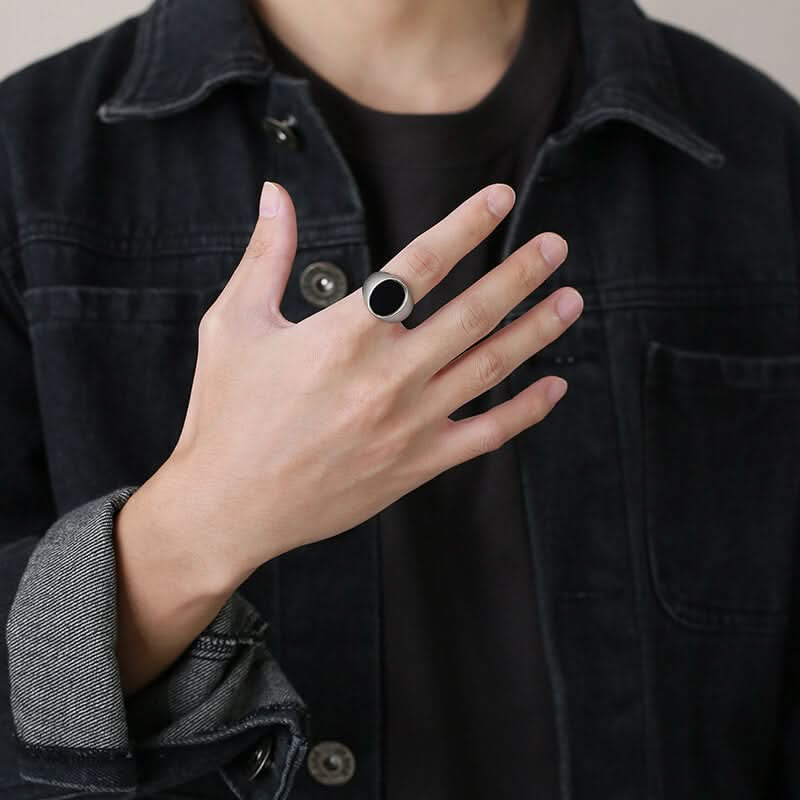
326	629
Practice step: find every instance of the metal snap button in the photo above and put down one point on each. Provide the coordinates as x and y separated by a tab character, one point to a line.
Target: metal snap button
331	763
283	131
323	283
261	758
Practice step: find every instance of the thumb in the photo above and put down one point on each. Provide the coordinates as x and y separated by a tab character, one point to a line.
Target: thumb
267	261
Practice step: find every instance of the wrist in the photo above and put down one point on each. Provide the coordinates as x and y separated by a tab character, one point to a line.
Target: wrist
169	522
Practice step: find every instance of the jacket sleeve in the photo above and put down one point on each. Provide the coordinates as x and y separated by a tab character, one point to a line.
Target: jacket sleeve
222	711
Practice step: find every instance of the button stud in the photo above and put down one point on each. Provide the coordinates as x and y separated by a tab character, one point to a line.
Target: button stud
323	283
261	758
283	131
331	763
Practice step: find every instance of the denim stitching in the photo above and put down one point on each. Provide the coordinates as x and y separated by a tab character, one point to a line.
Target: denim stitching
47	752
68	785
251	720
111	113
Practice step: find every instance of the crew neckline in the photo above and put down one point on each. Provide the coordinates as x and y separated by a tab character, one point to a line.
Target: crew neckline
526	89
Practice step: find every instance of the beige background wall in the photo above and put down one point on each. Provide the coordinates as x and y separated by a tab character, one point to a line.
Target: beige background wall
764	33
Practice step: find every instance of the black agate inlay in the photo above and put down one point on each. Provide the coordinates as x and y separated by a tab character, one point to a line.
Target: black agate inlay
387	297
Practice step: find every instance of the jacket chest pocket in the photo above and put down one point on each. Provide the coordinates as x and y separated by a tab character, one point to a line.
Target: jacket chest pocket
114	368
722	485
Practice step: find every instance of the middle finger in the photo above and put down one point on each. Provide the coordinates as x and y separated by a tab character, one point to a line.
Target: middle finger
429	257
477	310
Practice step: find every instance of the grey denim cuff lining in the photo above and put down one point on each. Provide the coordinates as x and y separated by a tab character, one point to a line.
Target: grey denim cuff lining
61	633
74	726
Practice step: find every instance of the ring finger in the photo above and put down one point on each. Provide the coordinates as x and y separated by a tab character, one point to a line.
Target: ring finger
489	362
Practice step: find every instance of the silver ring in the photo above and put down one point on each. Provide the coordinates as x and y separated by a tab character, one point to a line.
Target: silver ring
387	297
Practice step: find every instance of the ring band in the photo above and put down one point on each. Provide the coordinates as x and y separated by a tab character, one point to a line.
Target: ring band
387	297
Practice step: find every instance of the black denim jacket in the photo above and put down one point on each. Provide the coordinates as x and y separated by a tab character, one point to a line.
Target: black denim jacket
666	549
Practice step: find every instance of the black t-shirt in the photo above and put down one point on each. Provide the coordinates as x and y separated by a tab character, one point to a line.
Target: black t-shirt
468	707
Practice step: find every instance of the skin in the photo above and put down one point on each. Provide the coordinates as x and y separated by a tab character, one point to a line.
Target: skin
272	457
409	56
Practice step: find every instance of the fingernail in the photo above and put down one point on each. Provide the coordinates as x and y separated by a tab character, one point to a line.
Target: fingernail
270	200
569	305
553	249
500	199
556	390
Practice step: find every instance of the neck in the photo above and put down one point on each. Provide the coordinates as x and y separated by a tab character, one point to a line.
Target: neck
402	56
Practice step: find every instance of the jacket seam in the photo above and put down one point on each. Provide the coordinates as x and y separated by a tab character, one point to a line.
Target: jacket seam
112	112
233	246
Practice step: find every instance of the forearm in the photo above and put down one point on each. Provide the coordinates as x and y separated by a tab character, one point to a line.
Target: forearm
169	588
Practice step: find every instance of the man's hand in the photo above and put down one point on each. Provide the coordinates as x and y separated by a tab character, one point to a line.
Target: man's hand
296	432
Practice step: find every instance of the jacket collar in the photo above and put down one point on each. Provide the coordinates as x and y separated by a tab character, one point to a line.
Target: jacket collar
185	49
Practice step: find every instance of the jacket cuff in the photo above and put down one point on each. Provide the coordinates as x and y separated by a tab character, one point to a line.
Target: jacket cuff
224	704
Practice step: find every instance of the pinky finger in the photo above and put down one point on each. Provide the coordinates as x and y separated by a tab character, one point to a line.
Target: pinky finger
482	433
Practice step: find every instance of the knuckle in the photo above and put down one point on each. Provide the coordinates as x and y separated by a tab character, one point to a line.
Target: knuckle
226	318
478	224
473	316
490	437
527	272
545	325
491	367
423	261
210	324
257	249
